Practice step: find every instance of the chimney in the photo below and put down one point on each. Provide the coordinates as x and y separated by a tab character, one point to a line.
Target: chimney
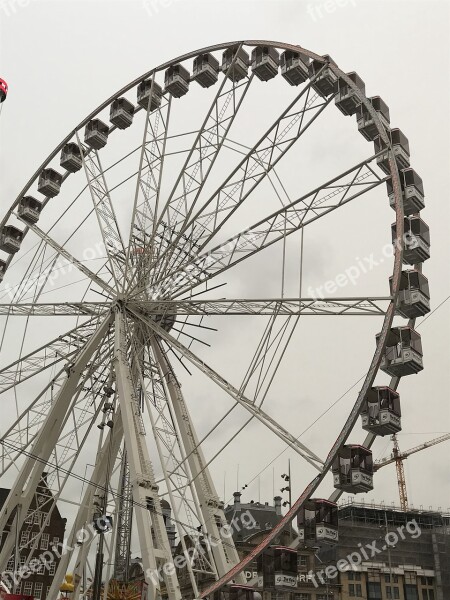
277	504
237	500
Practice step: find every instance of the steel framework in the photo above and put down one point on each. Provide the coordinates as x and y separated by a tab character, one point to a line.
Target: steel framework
117	360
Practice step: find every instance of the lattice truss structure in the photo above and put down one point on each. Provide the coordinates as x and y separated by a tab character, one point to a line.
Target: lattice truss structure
128	264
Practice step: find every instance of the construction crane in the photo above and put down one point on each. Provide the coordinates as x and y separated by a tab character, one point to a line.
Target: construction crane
398	457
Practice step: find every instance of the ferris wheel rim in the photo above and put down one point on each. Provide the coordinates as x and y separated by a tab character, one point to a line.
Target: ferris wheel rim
162	67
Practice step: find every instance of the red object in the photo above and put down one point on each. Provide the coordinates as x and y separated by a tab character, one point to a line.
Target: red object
16	597
3	93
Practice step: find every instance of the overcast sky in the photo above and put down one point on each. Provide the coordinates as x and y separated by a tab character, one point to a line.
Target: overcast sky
62	59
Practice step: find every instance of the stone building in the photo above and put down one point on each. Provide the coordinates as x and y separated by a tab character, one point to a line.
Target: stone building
38	583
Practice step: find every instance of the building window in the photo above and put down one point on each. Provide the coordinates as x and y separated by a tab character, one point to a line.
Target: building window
27	588
52	568
10	565
22	560
427	594
374	591
38	590
55	541
411	592
44	541
351	590
357	590
29	519
41	569
396	593
303	560
24	536
37	517
410	578
303	597
47	592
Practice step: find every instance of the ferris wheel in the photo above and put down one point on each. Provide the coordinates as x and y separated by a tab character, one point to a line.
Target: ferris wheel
141	229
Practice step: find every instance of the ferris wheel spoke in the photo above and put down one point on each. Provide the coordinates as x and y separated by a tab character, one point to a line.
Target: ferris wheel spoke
71	259
252	170
365	305
314	205
268	421
209	510
104	210
183	500
64	309
148	185
204	152
26	428
64	347
67	450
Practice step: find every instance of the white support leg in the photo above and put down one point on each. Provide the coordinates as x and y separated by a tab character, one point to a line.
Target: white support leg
154	543
21	495
107	453
225	554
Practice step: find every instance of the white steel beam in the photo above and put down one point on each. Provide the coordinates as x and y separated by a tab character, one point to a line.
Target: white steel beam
258	413
225	554
154	543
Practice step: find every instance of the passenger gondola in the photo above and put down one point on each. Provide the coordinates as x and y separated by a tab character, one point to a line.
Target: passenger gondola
403	353
10	239
265	62
414	295
416	240
49	183
176	81
353	469
277	568
294	67
205	70
366	123
71	158
29	209
317	522
412	192
121	113
347	99
400	148
381	412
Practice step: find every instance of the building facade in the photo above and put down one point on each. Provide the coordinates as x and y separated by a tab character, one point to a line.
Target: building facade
395	555
29	549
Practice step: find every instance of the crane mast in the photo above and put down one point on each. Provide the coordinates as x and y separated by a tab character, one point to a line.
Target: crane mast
400	474
398	457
